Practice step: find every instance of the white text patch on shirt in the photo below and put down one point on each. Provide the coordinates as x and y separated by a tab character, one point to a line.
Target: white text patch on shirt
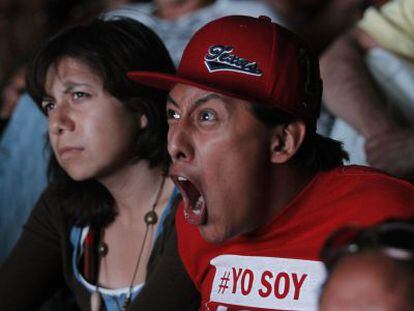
266	282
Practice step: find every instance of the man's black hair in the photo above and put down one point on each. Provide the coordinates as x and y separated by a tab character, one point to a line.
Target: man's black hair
317	153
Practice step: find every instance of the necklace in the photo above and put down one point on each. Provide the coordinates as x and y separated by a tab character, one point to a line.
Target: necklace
150	219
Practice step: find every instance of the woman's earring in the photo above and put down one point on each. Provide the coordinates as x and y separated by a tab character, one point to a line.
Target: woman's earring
143	121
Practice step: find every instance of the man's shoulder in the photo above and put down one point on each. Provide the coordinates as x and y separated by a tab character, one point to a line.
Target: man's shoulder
357	191
366	177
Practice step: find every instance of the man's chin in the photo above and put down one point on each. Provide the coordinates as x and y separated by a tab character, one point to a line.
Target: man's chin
213	235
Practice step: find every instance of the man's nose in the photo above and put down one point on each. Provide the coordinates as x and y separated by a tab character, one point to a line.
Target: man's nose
180	143
60	120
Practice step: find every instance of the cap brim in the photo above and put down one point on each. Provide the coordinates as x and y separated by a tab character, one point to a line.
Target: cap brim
168	81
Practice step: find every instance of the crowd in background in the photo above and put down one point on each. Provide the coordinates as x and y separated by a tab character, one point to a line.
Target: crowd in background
367	105
24	25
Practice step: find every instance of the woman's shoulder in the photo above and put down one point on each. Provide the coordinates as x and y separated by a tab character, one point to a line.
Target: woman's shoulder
51	193
51	207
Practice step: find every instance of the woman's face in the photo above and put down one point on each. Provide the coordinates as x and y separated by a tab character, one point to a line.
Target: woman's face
92	133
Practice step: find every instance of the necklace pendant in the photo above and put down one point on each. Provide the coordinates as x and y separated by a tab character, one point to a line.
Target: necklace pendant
151	218
126	303
102	249
96	301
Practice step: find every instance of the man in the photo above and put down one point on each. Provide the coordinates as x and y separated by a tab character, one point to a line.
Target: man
369	88
261	189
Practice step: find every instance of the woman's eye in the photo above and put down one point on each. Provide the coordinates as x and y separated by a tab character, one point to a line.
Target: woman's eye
207	115
172	114
47	106
78	95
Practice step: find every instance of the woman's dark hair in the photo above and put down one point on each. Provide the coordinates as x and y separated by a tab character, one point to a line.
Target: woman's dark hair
317	153
110	48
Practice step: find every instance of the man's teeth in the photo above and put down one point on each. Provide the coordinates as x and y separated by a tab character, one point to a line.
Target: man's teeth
198	205
182	178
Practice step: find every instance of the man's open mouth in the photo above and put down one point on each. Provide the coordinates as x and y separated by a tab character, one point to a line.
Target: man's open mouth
195	210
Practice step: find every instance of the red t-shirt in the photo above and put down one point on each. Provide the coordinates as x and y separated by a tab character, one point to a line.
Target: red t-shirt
278	267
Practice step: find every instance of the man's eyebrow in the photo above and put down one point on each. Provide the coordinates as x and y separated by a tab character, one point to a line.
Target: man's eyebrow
171	100
199	101
208	97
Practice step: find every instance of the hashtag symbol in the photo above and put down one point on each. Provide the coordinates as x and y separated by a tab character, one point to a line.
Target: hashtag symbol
223	284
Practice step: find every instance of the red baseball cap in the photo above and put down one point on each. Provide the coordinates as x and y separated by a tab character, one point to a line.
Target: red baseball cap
251	59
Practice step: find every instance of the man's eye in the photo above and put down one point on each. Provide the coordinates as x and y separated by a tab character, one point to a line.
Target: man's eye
48	106
78	95
172	114
207	115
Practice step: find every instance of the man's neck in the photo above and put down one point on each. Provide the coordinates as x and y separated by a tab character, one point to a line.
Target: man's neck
173	9
288	181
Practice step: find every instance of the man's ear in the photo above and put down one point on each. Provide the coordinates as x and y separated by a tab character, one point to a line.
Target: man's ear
286	140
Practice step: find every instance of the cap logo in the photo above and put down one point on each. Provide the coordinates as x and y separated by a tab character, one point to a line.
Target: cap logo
219	58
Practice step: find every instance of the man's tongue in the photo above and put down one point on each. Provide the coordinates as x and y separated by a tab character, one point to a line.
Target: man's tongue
195	211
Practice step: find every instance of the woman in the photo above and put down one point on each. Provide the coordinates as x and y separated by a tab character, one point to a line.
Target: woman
95	225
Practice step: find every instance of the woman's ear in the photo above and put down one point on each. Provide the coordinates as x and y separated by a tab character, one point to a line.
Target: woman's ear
143	121
286	140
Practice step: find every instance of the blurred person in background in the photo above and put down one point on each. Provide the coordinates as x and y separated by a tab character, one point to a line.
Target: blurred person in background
319	22
370	268
369	88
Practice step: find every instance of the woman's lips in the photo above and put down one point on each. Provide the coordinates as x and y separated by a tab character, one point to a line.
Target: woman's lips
67	152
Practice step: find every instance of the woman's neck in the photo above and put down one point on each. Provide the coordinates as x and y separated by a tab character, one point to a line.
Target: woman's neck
134	189
129	238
